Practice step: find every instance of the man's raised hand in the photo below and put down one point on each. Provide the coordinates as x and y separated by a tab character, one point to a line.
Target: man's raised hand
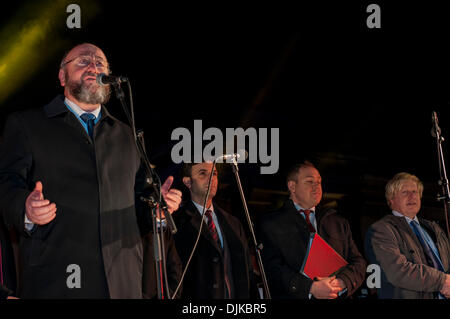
37	209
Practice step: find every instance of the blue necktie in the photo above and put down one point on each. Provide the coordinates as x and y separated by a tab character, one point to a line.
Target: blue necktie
89	119
432	258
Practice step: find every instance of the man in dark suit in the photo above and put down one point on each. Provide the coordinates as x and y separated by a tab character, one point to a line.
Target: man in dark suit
413	253
285	235
221	265
70	183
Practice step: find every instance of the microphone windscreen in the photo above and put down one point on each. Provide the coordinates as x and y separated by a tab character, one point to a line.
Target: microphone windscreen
100	78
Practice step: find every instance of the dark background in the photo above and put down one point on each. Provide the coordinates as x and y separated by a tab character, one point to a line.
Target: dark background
356	101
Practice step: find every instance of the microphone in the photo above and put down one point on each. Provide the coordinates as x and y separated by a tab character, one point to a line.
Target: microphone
435	127
238	154
103	79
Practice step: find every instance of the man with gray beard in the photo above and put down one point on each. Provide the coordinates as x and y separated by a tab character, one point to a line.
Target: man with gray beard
70	184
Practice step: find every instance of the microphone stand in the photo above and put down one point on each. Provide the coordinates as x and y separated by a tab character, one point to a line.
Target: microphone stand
443	182
155	201
258	247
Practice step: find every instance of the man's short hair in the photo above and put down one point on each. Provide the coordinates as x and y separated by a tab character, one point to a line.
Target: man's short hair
186	170
395	184
293	171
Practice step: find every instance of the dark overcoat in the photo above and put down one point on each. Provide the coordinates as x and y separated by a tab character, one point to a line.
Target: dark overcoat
285	237
92	249
205	276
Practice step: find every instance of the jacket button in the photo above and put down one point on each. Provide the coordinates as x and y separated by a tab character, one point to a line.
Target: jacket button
215	259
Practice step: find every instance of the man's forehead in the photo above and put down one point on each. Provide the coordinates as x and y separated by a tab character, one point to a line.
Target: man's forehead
408	184
84	49
202	166
305	172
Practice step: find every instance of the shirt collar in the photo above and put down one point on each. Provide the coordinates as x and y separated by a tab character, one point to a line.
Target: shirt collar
409	220
298	207
78	110
200	208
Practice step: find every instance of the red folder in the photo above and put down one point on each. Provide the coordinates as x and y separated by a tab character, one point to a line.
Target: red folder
321	260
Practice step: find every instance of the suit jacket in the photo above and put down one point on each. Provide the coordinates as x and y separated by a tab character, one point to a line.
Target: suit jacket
92	183
285	237
205	276
391	244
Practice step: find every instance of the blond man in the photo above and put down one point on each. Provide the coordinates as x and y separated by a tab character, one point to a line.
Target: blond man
413	253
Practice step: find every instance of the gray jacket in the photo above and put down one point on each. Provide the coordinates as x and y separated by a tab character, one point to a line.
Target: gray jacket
391	243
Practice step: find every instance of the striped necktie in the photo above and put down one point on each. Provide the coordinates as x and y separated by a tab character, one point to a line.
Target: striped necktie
212	227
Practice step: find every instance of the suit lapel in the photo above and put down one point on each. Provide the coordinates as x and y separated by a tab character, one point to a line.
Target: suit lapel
433	233
228	233
403	226
196	220
295	232
429	229
59	111
296	218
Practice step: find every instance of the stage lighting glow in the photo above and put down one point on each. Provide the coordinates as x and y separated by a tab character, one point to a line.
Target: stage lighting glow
32	37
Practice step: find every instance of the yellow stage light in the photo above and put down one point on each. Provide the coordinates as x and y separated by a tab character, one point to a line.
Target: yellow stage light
31	38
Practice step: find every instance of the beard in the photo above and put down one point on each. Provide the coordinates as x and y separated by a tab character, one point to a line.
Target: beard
90	93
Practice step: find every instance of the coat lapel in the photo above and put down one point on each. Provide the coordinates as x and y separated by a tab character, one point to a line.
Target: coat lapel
228	233
196	220
402	224
297	219
411	240
433	231
58	109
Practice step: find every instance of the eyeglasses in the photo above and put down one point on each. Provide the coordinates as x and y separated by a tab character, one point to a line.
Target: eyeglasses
83	61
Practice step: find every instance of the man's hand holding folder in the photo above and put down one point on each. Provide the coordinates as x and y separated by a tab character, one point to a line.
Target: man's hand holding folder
325	288
322	263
